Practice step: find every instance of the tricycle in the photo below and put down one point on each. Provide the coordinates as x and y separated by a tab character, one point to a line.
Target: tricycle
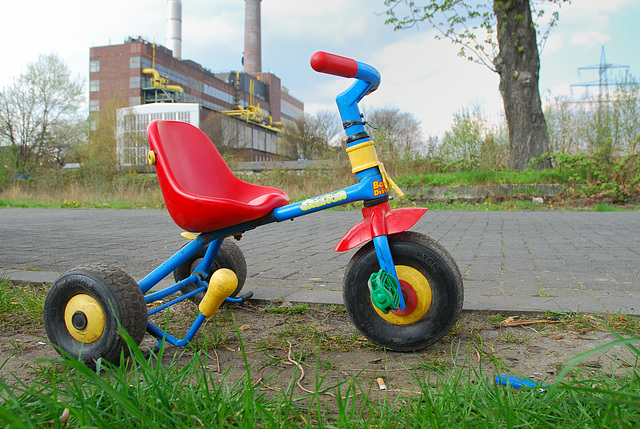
402	289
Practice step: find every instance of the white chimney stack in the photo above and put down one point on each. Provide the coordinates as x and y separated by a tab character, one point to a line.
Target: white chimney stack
174	27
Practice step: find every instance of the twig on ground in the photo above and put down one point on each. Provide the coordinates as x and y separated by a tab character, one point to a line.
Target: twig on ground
510	321
302	374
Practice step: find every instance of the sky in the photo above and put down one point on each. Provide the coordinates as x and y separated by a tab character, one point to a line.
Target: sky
420	75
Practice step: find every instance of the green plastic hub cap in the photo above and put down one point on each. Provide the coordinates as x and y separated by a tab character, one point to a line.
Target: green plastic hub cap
384	291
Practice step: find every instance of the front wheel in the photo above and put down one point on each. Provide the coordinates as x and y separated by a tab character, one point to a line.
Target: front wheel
431	284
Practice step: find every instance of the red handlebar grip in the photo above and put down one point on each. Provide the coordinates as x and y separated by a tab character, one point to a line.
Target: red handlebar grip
324	62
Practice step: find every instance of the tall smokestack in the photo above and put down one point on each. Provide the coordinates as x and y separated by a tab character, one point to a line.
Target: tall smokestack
174	27
252	43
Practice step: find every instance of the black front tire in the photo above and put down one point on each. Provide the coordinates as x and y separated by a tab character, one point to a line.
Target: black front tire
428	272
85	308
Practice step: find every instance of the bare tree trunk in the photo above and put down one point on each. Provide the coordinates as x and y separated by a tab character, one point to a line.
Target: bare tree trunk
519	67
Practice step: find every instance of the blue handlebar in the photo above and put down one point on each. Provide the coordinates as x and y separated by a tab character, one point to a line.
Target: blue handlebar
367	81
368	74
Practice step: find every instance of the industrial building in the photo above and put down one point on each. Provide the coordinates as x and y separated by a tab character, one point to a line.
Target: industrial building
241	110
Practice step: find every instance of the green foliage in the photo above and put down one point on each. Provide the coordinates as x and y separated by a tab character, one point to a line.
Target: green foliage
604	207
7	165
599	174
473	152
481	177
610	122
98	155
473	142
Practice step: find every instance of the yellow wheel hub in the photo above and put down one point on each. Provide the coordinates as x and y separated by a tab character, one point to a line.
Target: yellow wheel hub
84	318
412	282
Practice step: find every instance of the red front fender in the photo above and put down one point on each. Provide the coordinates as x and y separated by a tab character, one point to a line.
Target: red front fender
379	220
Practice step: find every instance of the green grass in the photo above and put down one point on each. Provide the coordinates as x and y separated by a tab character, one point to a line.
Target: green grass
184	393
74	189
141	393
482	177
92	203
21	203
20	304
489	205
603	207
288	310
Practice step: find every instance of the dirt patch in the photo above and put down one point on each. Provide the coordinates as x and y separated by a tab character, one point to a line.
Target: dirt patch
321	340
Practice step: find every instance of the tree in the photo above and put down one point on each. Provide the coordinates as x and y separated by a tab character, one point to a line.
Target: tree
329	124
100	155
38	110
503	36
397	134
305	138
224	132
473	142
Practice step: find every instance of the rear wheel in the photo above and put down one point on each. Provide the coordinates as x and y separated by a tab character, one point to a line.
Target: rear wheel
431	285
85	308
229	256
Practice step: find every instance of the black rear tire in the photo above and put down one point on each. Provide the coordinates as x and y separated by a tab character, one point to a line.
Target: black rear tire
229	256
86	306
432	286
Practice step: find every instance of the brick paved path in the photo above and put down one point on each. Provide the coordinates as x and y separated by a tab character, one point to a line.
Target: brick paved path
516	261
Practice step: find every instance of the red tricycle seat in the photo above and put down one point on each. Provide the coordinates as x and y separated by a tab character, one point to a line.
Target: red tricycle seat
199	189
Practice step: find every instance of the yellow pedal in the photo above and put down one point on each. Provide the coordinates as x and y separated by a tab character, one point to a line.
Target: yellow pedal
222	284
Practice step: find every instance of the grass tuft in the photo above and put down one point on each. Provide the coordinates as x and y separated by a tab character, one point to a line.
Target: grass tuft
287	310
20	304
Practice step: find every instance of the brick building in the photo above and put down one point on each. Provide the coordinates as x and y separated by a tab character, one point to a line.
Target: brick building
122	72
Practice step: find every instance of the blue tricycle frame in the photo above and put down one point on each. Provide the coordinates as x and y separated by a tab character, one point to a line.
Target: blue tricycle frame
405	312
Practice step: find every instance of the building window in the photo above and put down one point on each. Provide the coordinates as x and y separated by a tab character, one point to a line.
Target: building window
134	101
134	82
94	105
94	66
216	93
94	86
134	62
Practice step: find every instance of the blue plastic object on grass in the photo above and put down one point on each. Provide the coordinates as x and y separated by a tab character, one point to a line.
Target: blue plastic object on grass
517	382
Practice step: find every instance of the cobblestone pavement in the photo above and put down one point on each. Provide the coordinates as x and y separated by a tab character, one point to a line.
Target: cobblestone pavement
510	261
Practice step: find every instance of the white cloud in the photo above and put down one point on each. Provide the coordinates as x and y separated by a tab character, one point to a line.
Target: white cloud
586	23
589	39
590	7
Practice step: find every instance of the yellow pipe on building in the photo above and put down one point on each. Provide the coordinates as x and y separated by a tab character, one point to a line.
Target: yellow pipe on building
158	81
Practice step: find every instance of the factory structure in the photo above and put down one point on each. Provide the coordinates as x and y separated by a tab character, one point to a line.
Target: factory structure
242	111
